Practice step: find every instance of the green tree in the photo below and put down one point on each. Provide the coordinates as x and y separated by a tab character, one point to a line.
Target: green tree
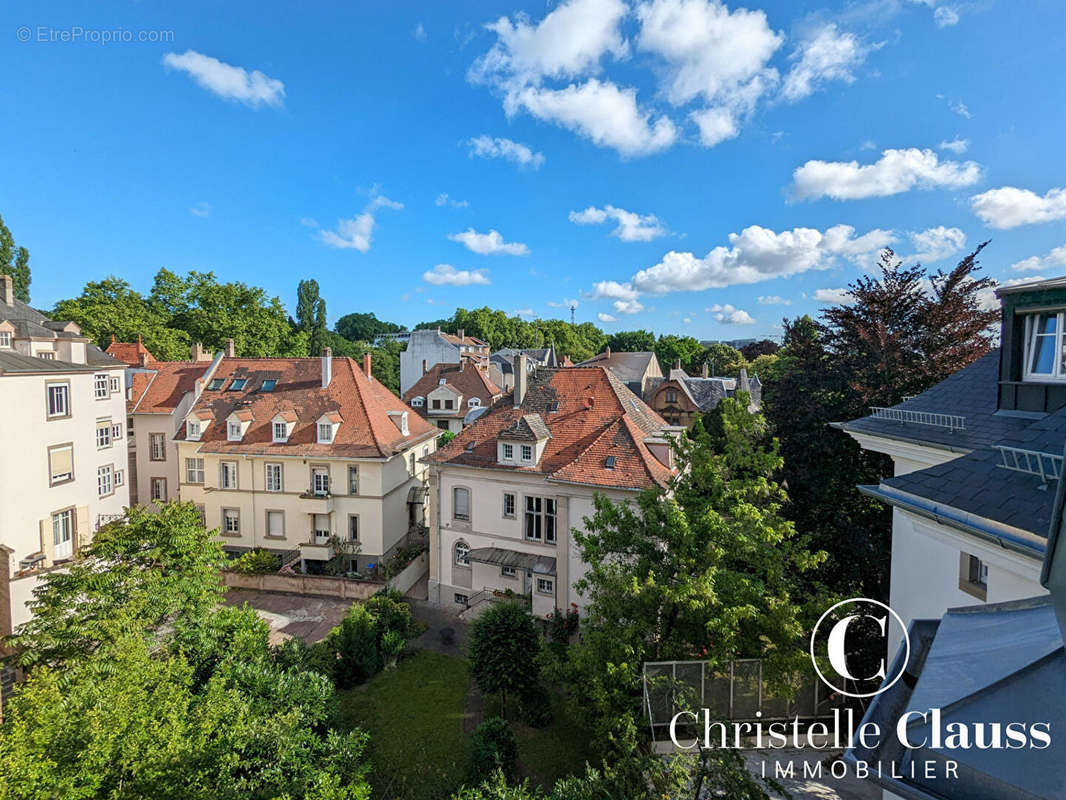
631	341
311	315
763	347
15	261
722	359
669	349
493	747
503	651
359	327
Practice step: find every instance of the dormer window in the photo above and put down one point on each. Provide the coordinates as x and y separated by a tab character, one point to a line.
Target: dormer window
474	402
1043	343
192	429
326	427
508	452
237	424
281	432
233	431
325	433
5	339
527	452
418	402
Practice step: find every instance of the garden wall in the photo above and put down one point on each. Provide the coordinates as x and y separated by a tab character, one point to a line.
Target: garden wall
410	575
322	585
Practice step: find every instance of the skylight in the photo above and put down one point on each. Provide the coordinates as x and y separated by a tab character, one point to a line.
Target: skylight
609	463
268	385
237	384
216	384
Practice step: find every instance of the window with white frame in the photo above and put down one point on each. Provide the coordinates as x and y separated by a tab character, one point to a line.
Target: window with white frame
320	481
234	432
116	431
462	554
508	451
5	339
116	384
231	520
461	599
159	490
101	386
527	452
474	402
157	447
47	355
545	586
120	477
194	470
273	477
508	504
671	395
227	478
103	433
461	503
105	480
418	402
192	429
63	533
540	519
1045	358
281	432
58	400
508	572
325	432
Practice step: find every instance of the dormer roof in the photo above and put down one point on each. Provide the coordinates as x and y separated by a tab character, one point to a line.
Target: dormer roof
527	428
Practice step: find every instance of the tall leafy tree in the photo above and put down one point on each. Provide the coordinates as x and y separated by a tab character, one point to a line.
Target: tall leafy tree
631	341
670	349
311	315
358	327
503	651
15	261
722	359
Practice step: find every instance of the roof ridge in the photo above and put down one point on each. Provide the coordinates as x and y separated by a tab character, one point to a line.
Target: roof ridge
378	438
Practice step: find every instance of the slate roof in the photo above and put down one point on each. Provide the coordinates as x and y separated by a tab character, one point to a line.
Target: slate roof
160	388
629	367
504	358
367	430
465	378
595	416
16	363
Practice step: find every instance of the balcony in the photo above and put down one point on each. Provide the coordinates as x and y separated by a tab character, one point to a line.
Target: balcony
317	502
317	550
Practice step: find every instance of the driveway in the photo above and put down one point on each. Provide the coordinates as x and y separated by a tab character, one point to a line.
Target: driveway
309	618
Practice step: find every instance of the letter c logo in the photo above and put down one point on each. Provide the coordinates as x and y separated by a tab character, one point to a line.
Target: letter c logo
836	650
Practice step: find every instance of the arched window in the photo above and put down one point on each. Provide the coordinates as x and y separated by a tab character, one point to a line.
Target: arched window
461	503
462	554
474	402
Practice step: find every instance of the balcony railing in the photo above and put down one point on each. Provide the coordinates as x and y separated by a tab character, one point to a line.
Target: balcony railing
952	422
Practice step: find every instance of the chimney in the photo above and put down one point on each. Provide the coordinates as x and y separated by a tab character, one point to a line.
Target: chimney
366	365
743	384
139	342
197	351
327	367
462	335
143	359
7	288
521	379
607	352
230	349
112	338
706	371
677	363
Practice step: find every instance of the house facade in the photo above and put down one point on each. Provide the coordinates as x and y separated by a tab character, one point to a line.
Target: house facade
64	430
680	398
427	348
638	371
307	457
507	491
451	395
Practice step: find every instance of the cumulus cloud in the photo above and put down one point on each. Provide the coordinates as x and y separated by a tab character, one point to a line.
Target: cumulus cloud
488	244
566	302
773	300
496	147
253	88
447	275
827	55
444	200
357	232
946	16
957	145
1009	206
757	254
629	226
895	172
612	290
628	306
934	244
1053	260
731	315
838	296
606	317
715	125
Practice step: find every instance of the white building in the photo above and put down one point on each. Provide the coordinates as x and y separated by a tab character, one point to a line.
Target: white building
64	469
452	395
508	489
427	348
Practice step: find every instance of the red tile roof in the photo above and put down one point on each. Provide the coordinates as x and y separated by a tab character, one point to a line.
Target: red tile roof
161	388
583	434
465	378
367	431
130	352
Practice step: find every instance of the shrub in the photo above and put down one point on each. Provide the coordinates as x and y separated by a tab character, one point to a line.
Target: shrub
493	746
535	706
256	562
561	627
355	644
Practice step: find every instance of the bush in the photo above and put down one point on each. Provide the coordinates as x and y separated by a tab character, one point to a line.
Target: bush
561	627
493	746
535	706
256	562
355	644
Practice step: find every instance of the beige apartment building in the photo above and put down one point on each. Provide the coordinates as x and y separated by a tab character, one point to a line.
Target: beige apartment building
298	455
63	429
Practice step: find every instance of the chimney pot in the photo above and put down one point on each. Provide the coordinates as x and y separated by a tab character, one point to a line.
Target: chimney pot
608	351
462	335
366	366
7	287
112	338
327	367
677	363
231	349
706	371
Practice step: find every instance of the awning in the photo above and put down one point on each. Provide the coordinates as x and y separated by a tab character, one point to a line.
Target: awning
417	495
538	565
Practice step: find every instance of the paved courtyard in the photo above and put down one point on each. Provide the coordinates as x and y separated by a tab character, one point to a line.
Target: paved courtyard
309	618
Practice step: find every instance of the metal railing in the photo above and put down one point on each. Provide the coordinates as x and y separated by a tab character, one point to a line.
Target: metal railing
106	519
1032	462
952	422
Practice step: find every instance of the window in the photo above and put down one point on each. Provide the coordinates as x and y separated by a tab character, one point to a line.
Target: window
474	402
461	503
101	386
237	384
353	479
281	432
103	433
115	385
159	490
671	395
508	451
320	481
58	400
461	599
462	554
449	403
215	384
275	524
325	433
436	404
233	431
116	431
120	477
273	477
105	480
61	464
192	429
973	576
540	519
507	572
527	452
227	478
608	462
157	447
194	470
353	527
63	534
508	504
231	521
268	385
47	355
1044	356
417	402
203	514
320	522
545	586
5	339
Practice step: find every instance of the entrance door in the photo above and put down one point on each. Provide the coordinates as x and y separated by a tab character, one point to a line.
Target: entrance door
63	534
321	523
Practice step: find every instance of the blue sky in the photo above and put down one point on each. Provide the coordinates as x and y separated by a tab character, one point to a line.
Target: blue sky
680	165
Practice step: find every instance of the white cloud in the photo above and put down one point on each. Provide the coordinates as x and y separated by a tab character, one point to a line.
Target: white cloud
716	125
895	172
419	33
564	303
628	306
600	111
201	209
1009	206
630	227
987	299
606	317
444	200
946	16
773	300
826	55
488	244
838	296
731	315
960	108
1053	260
757	254
447	275
232	83
934	244
957	145
525	312
495	147
357	232
612	290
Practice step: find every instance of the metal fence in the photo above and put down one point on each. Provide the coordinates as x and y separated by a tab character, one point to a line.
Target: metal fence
1032	462
952	422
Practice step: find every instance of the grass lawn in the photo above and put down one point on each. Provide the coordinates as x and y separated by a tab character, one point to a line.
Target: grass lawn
414	715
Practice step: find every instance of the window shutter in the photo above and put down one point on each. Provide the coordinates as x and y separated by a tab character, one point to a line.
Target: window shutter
82	533
47	546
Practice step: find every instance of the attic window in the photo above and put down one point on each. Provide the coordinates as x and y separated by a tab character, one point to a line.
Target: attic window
192	429
234	432
609	463
442	381
554	409
325	433
1043	339
237	384
418	402
474	402
268	385
470	445
216	384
